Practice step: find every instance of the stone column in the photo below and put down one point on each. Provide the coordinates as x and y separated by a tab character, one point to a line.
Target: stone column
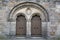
28	33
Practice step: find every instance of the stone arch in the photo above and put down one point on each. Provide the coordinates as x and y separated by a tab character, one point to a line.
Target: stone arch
28	4
17	11
20	14
34	15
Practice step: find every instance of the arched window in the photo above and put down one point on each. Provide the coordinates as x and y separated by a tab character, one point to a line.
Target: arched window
20	25
36	30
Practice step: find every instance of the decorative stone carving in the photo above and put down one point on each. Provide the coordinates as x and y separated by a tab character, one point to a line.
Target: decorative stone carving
28	11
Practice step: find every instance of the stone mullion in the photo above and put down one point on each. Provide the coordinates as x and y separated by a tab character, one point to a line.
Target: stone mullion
28	33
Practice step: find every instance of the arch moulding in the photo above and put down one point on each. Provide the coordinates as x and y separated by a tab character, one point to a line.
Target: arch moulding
17	11
12	15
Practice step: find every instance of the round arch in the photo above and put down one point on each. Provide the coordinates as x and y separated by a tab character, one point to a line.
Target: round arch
20	14
38	14
17	11
28	4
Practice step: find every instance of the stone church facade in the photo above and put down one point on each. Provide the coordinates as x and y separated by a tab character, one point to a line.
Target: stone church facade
29	19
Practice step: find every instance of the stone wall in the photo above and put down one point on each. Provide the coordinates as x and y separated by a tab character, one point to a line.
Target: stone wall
53	25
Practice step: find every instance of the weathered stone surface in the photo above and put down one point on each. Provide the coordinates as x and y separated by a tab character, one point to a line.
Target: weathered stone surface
8	28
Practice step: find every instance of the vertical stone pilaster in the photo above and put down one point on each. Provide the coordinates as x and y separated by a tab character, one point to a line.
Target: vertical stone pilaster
44	29
13	28
28	33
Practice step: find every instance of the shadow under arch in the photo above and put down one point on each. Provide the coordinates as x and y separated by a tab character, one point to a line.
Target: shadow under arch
21	14
20	5
35	14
